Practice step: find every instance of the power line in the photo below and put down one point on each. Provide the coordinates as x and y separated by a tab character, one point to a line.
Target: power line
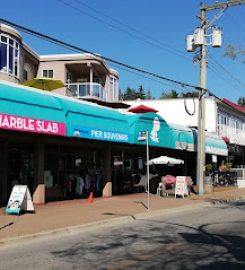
227	72
126	29
78	49
126	66
215	70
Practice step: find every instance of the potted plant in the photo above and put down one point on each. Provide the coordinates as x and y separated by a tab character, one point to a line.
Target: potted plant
208	169
225	167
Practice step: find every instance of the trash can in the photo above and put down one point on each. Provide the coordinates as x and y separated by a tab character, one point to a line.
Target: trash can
208	185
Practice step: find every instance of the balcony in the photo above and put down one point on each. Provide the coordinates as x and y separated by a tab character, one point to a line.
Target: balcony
235	136
85	90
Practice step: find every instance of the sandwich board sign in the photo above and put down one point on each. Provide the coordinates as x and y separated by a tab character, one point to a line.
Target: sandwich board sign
180	186
20	199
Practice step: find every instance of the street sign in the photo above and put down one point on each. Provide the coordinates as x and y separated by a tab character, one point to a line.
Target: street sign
142	135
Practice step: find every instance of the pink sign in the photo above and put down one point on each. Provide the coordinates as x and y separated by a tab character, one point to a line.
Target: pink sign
20	123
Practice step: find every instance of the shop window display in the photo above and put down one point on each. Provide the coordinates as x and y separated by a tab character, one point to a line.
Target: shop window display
72	172
21	165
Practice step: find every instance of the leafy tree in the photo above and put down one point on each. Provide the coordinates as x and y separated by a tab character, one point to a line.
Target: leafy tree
171	94
234	53
129	94
190	94
241	101
148	95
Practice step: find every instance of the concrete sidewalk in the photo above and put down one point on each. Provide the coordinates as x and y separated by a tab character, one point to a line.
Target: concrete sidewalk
67	215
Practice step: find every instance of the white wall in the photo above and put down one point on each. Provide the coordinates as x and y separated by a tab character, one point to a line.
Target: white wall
175	111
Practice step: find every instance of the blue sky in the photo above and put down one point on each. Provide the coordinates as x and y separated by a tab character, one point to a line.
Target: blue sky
149	35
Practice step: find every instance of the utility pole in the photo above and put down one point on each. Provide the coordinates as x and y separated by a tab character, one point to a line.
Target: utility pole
203	79
201	115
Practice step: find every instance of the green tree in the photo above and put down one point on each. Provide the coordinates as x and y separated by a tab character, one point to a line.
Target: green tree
171	94
148	95
234	53
190	94
129	94
241	101
141	93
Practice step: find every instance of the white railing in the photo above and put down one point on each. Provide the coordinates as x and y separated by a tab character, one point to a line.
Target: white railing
234	135
81	90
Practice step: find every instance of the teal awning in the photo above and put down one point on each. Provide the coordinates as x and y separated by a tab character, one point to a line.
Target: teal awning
16	100
90	121
30	110
159	133
186	139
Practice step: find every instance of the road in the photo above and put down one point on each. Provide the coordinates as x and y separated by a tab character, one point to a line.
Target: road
206	238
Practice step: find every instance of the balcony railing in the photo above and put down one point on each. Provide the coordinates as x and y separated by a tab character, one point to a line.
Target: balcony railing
81	90
234	135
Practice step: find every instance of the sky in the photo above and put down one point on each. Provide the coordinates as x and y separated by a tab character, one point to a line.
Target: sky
146	34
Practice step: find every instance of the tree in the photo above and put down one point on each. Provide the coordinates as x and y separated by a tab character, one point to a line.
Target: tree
148	95
234	53
129	94
141	93
190	94
171	94
241	101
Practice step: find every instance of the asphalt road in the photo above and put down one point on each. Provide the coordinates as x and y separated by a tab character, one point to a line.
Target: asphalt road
206	238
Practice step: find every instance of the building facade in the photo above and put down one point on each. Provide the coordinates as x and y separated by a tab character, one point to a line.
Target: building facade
223	118
84	75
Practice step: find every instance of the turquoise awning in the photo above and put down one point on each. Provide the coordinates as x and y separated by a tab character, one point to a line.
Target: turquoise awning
16	100
159	133
90	121
26	109
186	139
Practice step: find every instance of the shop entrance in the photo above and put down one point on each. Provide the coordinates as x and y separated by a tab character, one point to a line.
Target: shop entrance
72	171
20	165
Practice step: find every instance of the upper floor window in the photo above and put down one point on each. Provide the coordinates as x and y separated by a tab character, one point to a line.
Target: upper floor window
223	119
48	73
9	55
114	88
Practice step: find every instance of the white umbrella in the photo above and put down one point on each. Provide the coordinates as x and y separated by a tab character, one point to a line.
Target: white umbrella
165	160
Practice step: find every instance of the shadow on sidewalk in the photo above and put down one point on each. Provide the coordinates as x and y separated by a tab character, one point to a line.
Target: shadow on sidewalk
117	214
7	225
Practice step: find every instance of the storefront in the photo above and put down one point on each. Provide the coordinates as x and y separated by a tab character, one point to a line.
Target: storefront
49	143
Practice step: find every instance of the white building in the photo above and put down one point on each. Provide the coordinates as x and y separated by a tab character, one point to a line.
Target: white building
223	118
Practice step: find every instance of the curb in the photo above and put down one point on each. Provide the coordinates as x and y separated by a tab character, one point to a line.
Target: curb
102	223
110	222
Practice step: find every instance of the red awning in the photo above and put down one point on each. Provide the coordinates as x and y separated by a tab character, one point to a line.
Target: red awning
142	109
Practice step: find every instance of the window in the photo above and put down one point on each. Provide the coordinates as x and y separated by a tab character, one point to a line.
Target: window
25	75
48	73
114	88
9	55
223	119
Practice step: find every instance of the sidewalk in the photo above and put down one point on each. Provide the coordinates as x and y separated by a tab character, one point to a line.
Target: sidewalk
58	216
